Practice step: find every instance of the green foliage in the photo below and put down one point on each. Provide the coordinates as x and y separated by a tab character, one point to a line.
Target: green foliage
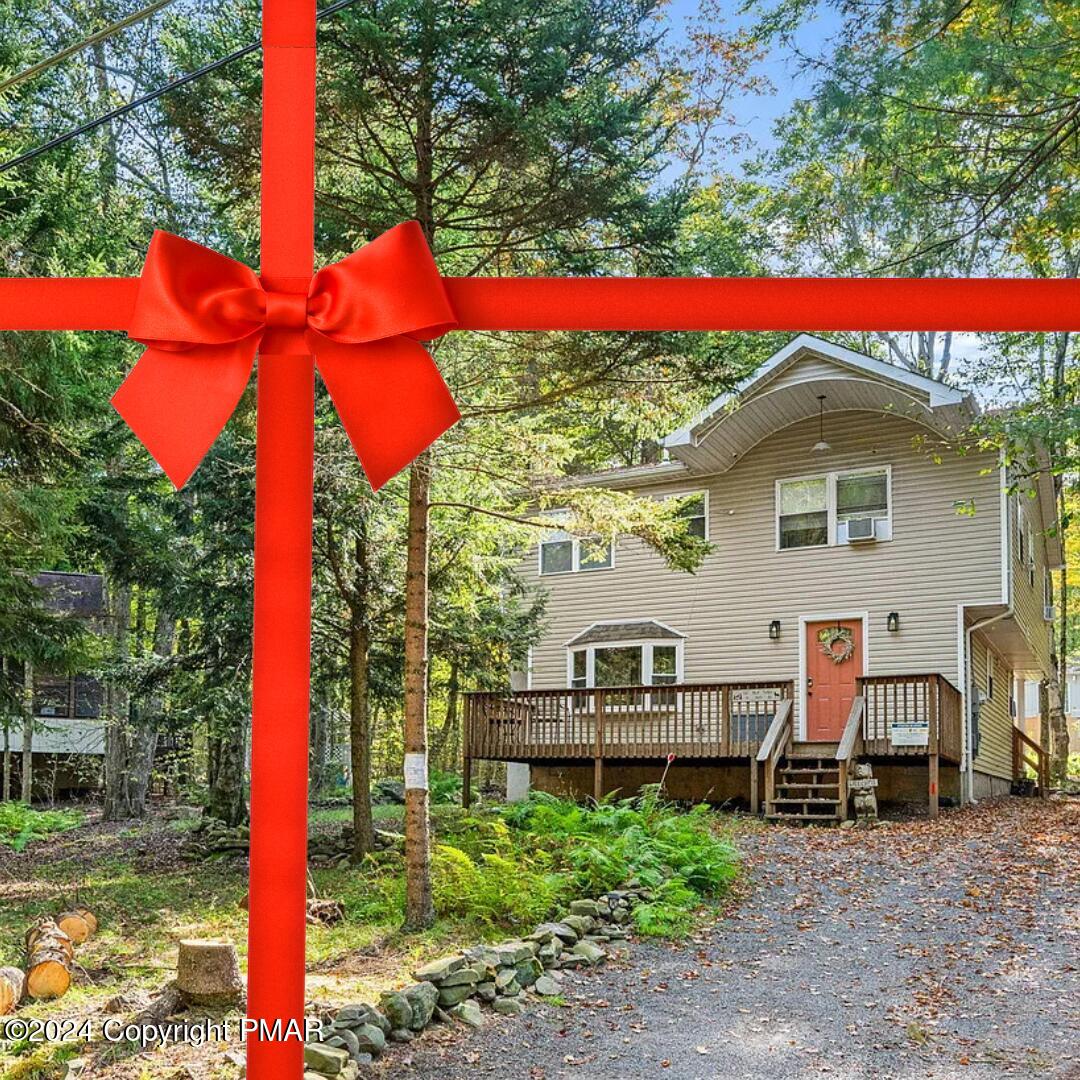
674	853
21	824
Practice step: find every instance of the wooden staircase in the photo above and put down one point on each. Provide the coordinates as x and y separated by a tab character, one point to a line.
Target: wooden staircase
807	786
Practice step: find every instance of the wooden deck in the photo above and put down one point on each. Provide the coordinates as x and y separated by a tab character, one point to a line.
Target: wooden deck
714	722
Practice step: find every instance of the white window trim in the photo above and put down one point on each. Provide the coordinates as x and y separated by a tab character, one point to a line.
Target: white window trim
830	477
704	492
575	557
646	644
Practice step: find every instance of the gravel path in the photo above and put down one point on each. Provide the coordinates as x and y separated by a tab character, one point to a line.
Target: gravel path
922	949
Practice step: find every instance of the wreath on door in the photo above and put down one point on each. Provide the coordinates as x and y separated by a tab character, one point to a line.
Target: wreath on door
837	643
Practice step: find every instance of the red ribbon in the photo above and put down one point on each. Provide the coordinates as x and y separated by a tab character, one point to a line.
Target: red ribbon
203	315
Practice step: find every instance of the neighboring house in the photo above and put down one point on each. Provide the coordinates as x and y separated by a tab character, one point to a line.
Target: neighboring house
66	708
874	594
1071	690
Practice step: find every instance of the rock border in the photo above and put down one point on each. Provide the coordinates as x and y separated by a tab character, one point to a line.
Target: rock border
454	988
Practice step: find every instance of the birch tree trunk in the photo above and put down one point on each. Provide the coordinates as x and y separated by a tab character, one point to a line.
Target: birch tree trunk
28	733
419	905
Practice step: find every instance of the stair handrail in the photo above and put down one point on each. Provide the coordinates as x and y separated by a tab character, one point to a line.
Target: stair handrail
781	721
1040	763
851	746
774	746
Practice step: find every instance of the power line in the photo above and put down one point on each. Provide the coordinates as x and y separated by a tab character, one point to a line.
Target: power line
122	110
71	50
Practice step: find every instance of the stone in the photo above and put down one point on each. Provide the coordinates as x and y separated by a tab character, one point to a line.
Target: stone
328	1060
77	1066
437	970
468	1012
463	976
508	1006
564	933
549	953
620	915
396	1008
346	1040
422	997
585	907
370	1039
484	955
352	1016
452	995
590	953
580	924
513	952
485	991
504	979
309	1075
528	971
352	1068
571	960
391	790
402	1035
546	986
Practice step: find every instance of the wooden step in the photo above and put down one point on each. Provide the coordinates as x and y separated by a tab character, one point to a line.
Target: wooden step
803	817
806	802
786	771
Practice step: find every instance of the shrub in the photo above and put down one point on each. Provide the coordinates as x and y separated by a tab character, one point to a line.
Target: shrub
20	824
675	853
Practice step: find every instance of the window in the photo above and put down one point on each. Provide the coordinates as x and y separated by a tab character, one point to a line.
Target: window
695	511
814	511
561	553
615	662
67	696
804	513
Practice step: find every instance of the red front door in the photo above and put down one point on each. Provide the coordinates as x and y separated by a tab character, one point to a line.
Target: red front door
834	659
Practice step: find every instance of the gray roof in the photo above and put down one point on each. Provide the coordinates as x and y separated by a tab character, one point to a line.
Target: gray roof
625	631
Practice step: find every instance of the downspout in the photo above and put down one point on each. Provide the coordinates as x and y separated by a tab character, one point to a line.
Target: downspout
968	726
1007	599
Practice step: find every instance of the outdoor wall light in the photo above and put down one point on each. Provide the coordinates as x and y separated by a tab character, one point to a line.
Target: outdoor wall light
774	630
893	621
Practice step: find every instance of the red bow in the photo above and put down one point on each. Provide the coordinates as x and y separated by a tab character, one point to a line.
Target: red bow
202	317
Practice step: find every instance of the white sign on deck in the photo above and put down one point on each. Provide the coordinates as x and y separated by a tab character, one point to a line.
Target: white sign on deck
862	785
756	693
909	733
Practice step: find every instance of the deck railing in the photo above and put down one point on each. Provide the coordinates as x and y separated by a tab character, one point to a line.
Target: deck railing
924	709
1027	753
690	720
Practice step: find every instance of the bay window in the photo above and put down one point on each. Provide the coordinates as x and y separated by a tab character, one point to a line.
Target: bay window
619	654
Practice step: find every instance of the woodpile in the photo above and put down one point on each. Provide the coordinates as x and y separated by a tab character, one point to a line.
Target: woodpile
49	953
12	988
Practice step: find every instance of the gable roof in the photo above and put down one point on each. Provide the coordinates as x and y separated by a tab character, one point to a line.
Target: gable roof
786	387
625	631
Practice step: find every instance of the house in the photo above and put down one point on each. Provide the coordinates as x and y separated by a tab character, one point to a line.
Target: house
67	735
874	594
1032	716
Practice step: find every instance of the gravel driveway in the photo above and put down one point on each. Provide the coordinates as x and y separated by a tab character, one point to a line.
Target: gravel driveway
921	949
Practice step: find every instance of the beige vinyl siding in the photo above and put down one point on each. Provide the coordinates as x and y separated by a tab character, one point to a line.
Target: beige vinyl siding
995	722
936	560
1028	599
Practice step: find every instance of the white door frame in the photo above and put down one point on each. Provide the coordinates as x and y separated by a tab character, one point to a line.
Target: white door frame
864	617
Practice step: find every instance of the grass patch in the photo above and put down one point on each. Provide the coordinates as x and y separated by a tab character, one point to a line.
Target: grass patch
20	824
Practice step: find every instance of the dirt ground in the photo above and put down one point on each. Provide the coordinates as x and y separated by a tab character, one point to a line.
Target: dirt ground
918	949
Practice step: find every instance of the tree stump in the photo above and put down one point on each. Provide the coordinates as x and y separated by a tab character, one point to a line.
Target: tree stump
208	973
12	988
48	957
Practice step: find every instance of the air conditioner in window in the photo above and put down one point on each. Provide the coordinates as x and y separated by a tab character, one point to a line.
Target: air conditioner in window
1050	612
861	530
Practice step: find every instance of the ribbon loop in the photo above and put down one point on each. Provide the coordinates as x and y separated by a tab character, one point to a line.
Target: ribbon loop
203	315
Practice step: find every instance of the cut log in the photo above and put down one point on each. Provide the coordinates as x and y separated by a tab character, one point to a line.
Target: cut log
46	932
47	973
12	988
75	925
208	973
48	957
89	918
